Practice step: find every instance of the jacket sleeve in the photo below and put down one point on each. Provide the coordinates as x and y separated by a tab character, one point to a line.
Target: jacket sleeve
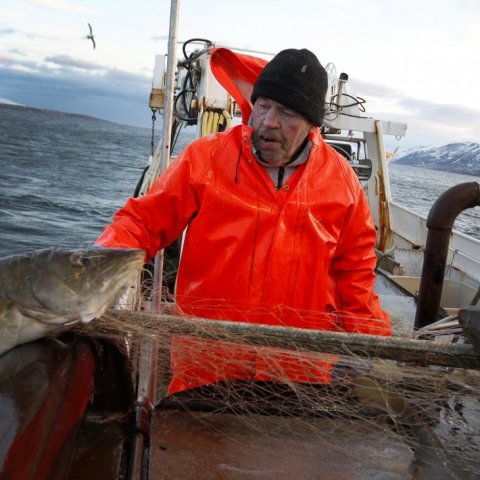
353	273
155	220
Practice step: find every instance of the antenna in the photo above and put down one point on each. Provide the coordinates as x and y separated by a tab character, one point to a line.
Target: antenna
332	81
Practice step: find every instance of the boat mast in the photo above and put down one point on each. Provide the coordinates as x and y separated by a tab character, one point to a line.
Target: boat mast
166	132
148	349
169	85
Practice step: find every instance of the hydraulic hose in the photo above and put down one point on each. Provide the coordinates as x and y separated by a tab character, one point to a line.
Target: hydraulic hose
215	121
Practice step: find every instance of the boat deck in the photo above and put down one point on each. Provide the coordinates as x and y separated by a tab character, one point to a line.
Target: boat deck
234	430
199	445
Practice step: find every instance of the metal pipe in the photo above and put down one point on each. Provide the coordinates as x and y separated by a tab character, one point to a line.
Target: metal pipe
384	193
169	84
167	132
147	359
440	224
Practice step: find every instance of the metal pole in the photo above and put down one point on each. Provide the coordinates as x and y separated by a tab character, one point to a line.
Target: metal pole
169	85
384	194
167	132
147	361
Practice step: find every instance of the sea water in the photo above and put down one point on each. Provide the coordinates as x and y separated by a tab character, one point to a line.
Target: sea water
62	176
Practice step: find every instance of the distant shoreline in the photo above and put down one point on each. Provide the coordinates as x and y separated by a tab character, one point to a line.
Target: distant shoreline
422	157
60	112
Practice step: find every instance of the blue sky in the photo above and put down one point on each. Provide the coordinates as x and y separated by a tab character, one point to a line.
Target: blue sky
413	61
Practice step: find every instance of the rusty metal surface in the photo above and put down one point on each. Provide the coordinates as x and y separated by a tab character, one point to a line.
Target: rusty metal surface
99	452
440	223
64	408
44	391
214	446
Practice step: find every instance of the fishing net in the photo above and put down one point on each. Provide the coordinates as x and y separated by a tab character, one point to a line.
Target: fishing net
256	401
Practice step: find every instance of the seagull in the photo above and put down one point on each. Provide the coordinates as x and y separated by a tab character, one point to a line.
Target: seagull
91	37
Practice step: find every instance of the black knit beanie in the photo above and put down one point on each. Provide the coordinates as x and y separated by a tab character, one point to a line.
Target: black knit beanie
296	79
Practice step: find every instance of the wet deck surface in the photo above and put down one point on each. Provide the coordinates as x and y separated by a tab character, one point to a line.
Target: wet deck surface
198	445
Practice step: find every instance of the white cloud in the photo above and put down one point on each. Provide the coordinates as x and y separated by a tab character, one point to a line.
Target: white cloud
7	30
418	69
62	6
68	61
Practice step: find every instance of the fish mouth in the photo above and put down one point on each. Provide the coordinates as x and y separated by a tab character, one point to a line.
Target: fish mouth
113	294
120	275
84	287
116	281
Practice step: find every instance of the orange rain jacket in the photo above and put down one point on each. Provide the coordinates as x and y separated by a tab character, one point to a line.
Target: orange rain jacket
301	256
257	254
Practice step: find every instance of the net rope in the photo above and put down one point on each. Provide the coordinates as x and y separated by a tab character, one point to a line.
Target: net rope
420	410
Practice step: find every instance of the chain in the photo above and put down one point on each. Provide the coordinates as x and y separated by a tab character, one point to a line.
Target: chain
154	117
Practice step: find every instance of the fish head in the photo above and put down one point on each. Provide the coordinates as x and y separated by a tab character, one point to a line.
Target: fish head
81	284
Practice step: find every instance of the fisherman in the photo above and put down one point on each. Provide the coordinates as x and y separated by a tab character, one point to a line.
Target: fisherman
278	230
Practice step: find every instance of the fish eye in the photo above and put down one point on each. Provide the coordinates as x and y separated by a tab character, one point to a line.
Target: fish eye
79	259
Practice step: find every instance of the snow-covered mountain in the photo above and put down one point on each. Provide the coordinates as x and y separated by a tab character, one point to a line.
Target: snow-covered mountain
455	157
5	101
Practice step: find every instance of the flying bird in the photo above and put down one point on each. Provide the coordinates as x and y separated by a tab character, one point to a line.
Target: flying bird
91	37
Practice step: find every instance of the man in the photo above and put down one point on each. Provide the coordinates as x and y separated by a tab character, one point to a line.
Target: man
278	227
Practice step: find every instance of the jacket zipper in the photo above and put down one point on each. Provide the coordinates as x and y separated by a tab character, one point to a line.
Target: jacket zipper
281	173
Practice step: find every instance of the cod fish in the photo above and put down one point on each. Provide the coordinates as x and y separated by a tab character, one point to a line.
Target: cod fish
48	290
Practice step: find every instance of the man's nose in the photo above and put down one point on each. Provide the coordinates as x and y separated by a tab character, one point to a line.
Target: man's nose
271	118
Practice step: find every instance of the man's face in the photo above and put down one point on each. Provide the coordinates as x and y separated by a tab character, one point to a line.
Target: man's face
278	131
